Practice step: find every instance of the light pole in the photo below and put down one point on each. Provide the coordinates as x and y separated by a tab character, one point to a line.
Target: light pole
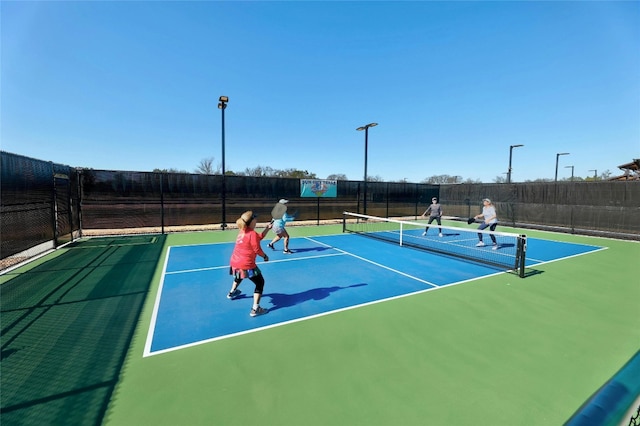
595	173
510	155
366	144
557	159
222	105
566	167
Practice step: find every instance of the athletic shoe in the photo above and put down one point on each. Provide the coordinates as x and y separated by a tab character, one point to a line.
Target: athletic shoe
480	244
495	247
424	233
271	246
259	311
287	251
440	234
234	294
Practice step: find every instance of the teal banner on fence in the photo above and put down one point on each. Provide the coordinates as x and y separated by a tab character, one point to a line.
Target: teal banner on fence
318	188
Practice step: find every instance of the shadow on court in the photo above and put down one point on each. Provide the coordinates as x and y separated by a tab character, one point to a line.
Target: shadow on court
281	300
66	328
310	249
451	234
529	272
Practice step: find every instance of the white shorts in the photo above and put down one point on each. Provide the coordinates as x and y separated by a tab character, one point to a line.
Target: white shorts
278	230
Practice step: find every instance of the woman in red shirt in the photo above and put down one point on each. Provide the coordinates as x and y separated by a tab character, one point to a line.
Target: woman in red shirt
243	259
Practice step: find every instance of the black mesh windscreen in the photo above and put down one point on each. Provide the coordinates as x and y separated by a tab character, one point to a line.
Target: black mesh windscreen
44	201
27	198
586	206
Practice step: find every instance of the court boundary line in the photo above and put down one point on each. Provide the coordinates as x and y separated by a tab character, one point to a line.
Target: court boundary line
147	348
544	262
153	240
322	314
211	268
374	263
156	306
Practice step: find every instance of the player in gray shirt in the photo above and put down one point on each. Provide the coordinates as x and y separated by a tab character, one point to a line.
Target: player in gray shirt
490	220
435	213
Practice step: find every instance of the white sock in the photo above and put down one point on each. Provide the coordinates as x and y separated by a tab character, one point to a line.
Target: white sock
255	307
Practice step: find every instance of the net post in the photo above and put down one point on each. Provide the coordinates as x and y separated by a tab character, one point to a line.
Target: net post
344	222
521	257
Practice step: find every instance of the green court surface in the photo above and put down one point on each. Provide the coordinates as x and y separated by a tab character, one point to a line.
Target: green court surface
500	350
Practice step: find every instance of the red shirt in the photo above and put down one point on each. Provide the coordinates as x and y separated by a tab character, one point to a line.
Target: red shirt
246	249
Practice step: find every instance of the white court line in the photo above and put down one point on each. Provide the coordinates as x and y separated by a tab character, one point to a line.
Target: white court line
375	263
147	350
544	262
156	305
322	314
211	268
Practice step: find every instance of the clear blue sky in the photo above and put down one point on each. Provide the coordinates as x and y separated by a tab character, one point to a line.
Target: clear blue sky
134	85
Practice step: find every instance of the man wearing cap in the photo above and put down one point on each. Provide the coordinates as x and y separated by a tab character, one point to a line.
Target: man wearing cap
490	220
280	231
435	213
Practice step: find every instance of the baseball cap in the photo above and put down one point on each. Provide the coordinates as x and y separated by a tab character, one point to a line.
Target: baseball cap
486	199
434	198
283	201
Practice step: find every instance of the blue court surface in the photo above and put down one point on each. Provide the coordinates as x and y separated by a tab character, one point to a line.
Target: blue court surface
326	274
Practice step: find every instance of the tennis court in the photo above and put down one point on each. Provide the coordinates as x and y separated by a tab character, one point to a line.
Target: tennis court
359	331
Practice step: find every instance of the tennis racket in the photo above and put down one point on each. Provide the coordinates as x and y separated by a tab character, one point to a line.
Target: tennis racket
278	210
471	220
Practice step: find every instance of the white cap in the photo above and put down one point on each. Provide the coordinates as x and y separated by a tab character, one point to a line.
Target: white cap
283	201
487	200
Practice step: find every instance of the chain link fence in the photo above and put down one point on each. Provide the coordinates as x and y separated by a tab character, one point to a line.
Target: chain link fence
39	209
609	208
44	204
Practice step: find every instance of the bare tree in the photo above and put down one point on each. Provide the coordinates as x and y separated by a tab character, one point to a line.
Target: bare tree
295	173
443	179
206	167
539	180
171	170
337	176
259	171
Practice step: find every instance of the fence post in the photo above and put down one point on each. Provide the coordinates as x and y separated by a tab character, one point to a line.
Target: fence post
69	205
54	215
417	199
387	197
80	177
162	202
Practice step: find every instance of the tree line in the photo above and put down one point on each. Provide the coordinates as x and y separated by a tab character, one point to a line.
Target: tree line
206	167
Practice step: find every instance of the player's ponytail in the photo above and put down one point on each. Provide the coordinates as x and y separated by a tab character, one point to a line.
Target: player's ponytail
245	219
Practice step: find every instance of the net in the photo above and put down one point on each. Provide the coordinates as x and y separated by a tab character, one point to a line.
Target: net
508	253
